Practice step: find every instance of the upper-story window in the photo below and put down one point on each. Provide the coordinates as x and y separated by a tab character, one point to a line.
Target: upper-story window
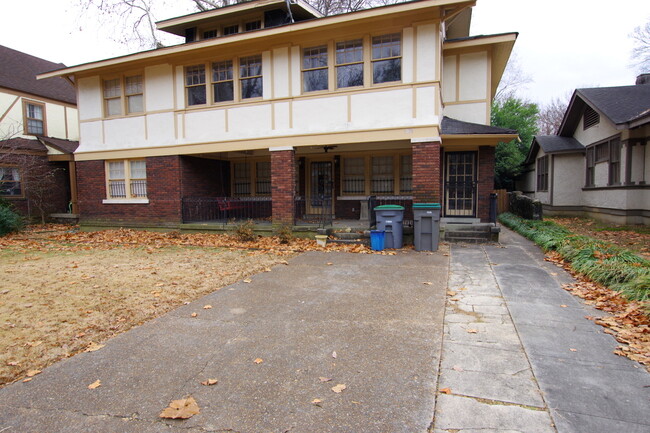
231	30
314	66
253	25
222	81
195	85
250	76
128	88
386	58
349	63
34	118
209	34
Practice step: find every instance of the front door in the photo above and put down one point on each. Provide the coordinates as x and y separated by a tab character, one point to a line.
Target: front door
460	184
321	187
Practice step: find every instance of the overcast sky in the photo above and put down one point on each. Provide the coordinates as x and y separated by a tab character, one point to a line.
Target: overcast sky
562	44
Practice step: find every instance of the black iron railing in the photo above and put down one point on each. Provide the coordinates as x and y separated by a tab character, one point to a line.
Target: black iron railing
405	201
225	209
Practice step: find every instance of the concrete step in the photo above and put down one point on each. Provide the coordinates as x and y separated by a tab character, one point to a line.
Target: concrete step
474	233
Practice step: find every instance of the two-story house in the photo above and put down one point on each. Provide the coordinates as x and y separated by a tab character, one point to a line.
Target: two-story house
271	111
598	164
39	130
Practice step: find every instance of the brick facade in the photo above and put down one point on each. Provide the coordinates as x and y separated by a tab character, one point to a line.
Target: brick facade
45	184
283	181
203	177
485	184
163	191
426	172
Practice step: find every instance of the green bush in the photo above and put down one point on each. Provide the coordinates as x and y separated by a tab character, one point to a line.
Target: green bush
603	262
10	221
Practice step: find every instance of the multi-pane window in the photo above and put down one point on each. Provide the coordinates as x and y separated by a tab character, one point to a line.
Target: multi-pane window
602	152
263	177
231	30
195	85
209	34
127	179
406	174
34	118
250	76
386	58
10	182
354	180
314	67
242	178
253	25
222	81
349	63
382	179
615	162
134	94
542	173
113	97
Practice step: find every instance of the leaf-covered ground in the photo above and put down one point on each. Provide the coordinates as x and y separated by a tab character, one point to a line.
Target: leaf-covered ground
634	238
63	291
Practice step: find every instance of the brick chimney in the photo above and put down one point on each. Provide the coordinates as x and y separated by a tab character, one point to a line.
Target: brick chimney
643	79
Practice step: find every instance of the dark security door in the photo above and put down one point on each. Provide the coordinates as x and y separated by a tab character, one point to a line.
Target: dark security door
460	184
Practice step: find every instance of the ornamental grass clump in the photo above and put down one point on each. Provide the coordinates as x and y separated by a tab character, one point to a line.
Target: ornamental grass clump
603	262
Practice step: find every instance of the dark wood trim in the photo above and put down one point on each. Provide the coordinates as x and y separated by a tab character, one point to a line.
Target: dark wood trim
615	187
64	157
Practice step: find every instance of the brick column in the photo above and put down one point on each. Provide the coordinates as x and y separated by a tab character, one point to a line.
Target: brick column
485	184
283	181
426	171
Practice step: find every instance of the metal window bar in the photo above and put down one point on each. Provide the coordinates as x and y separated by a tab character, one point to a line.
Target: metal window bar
117	188
138	188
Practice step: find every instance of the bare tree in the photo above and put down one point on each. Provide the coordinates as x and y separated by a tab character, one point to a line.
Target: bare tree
641	50
513	79
551	115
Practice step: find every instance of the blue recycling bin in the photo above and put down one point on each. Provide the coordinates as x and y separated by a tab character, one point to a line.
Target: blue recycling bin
389	219
377	240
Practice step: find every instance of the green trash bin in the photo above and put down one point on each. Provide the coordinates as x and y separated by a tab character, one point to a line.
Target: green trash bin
389	219
426	224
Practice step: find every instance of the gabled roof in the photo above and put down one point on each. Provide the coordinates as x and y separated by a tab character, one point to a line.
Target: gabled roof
65	146
18	72
625	106
450	126
553	144
18	143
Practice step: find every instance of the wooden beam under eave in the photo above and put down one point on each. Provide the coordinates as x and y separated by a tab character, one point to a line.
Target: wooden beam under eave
61	157
72	165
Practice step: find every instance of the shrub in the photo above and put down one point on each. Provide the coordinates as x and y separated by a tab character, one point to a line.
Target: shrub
245	231
603	262
284	233
10	221
525	206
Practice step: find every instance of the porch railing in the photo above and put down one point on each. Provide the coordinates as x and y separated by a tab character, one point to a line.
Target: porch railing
224	209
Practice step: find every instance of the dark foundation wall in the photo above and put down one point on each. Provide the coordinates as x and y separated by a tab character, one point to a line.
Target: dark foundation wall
163	190
203	177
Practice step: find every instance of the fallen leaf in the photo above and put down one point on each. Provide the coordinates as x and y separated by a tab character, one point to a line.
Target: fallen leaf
207	307
427	283
329	263
27	380
451	293
324	379
92	347
181	409
563	306
338	388
446	390
316	401
472	331
573	350
12	363
209	382
258	361
194	314
160	284
458	368
32	373
284	262
267	269
95	384
248	280
462	288
334	354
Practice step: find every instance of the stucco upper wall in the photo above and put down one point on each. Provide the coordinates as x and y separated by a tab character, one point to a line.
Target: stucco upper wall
603	130
466	86
60	120
285	108
568	173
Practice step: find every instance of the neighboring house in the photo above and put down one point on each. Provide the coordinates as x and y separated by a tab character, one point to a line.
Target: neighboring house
598	164
38	135
281	115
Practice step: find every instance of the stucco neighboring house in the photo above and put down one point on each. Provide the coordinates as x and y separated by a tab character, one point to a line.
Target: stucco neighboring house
598	164
38	134
272	111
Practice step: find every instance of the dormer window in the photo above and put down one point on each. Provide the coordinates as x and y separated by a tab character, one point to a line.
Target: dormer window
231	30
590	118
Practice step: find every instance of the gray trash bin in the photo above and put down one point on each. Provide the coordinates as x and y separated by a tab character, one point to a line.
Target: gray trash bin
426	219
389	219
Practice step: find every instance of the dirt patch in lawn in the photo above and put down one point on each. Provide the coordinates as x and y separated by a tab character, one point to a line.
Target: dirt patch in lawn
634	238
59	297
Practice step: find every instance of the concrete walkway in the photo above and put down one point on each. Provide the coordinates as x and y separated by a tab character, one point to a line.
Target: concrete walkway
482	339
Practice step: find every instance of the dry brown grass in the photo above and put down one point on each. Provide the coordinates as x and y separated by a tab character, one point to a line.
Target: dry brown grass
56	297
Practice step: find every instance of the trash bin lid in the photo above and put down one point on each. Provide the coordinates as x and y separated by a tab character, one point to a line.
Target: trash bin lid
426	205
390	207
